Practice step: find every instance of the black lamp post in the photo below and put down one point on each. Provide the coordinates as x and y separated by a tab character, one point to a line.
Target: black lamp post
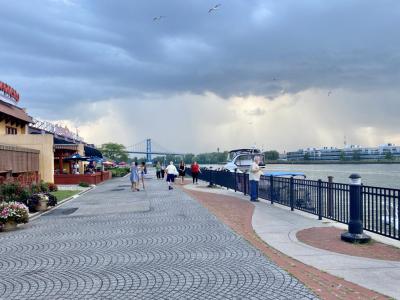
355	231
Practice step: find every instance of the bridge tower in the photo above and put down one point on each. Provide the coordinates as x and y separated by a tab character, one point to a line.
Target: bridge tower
148	150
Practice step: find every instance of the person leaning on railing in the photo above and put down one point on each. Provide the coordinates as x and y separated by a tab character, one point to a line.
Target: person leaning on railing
254	177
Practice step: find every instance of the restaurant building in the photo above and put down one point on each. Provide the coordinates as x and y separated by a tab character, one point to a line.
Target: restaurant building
51	144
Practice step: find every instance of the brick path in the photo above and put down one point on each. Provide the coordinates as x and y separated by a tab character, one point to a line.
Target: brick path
115	244
238	213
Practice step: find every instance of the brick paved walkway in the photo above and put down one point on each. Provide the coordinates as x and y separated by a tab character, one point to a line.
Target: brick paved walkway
115	244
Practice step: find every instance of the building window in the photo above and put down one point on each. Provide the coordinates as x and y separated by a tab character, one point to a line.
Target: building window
11	130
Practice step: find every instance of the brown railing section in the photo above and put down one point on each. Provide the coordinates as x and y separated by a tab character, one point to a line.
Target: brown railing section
95	178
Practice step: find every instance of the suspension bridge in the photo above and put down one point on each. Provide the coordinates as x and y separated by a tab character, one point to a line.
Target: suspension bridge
149	148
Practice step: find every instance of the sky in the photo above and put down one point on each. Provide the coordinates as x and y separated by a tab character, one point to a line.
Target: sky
280	75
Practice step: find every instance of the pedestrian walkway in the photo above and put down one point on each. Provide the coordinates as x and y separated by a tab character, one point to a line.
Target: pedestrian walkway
157	244
277	226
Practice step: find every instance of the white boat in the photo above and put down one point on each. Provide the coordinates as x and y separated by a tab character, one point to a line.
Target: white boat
241	159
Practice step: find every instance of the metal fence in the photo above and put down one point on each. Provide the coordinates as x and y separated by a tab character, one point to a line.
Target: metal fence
380	206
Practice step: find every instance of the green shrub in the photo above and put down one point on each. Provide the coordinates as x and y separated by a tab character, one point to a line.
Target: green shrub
13	192
44	187
119	172
52	187
35	188
84	184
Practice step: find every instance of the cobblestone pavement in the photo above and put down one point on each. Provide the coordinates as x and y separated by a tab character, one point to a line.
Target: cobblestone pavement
114	244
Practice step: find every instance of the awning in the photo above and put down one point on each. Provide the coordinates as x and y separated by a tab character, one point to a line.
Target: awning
76	157
90	151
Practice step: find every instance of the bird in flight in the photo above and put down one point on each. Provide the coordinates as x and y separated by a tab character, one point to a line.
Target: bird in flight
158	18
214	8
329	93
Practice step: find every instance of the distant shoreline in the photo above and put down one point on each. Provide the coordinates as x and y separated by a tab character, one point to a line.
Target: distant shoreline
327	162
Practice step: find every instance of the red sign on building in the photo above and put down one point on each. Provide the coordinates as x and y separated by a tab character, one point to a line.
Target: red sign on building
9	92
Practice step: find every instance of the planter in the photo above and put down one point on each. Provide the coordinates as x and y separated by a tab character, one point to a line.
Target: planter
9	226
42	206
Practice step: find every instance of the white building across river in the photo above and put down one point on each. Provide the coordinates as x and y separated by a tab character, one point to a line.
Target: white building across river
350	152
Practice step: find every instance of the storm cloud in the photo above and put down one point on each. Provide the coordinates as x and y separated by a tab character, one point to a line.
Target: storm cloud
79	53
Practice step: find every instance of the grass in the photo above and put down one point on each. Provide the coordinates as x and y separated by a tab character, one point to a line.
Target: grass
62	195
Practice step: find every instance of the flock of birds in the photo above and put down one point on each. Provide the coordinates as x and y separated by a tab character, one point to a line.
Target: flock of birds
212	9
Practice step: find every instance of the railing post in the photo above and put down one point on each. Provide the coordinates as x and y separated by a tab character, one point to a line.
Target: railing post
271	187
355	229
330	196
319	198
235	181
291	193
244	183
210	179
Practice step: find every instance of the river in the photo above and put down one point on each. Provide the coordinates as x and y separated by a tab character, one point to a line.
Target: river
381	175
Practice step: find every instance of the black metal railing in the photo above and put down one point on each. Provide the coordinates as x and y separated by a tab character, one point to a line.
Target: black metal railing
326	199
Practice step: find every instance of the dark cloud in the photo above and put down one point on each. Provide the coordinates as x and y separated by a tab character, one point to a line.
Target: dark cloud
81	51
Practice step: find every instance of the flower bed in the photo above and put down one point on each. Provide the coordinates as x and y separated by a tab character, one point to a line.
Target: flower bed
13	213
36	197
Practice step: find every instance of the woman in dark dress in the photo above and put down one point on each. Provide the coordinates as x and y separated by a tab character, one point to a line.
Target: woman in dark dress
182	170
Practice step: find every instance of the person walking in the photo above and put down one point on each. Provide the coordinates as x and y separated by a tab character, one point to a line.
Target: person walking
134	177
254	177
171	174
142	172
162	171
182	171
158	170
195	172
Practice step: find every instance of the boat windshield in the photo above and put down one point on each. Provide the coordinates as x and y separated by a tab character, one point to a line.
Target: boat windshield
232	154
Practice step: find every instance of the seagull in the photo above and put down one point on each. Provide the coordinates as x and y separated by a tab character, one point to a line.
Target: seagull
158	18
329	93
274	79
214	8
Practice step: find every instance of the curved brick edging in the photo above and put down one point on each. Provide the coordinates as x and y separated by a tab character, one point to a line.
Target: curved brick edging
328	238
237	214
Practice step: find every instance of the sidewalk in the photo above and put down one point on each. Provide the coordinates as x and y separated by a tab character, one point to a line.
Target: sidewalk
277	226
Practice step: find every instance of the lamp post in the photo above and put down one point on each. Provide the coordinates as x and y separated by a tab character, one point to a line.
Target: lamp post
355	229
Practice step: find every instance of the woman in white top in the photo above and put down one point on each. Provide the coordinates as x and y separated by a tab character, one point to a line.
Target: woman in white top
171	174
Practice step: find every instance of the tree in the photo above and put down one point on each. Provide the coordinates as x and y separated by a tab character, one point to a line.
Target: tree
389	155
115	152
306	156
342	156
271	155
356	155
189	158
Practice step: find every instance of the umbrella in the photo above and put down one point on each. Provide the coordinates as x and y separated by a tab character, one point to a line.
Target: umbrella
76	157
108	163
96	159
